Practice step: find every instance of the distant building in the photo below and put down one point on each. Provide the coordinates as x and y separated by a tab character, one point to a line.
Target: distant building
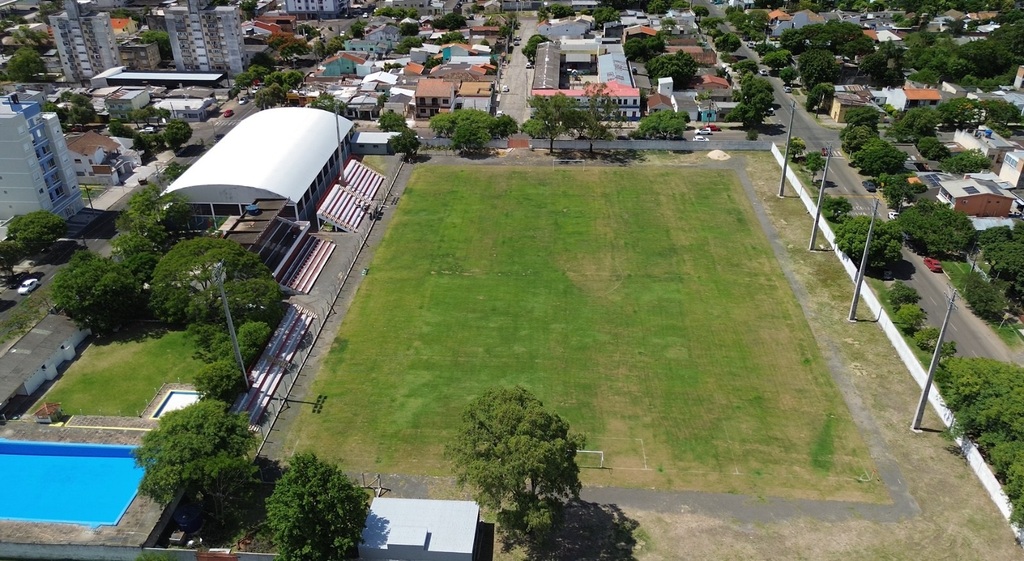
36	172
140	56
122	102
987	141
976	197
191	110
1012	170
84	40
124	26
576	27
318	9
98	159
206	38
341	64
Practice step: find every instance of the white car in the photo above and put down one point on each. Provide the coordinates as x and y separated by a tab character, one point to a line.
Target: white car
893	215
763	72
243	100
504	89
700	138
705	130
28	286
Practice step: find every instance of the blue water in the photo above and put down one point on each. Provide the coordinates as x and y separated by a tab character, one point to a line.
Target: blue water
89	484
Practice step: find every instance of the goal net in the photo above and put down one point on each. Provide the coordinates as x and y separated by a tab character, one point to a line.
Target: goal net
593	459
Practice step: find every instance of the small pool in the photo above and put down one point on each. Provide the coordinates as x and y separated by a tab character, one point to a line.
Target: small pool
175	400
88	484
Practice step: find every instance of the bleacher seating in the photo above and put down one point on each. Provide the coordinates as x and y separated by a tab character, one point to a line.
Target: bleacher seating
269	370
348	201
312	263
362	180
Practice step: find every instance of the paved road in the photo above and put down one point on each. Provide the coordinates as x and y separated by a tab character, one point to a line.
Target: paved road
516	76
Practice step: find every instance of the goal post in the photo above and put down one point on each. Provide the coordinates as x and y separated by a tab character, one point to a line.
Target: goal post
595	456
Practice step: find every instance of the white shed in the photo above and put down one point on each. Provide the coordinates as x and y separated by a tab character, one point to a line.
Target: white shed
420	530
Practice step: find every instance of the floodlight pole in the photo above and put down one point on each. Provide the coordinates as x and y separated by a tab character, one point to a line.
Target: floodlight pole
785	157
218	273
863	265
936	355
821	195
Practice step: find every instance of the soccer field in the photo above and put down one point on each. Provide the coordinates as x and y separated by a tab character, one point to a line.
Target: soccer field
643	304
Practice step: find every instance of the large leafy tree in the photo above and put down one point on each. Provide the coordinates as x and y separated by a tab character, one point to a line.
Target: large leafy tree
270	96
862	117
11	253
679	66
643	48
856	137
184	289
520	458
155	217
932	148
329	103
316	512
1004	250
391	122
886	240
916	123
936	228
530	48
728	43
777	59
25	65
896	190
98	293
755	98
818	67
878	156
202	449
594	121
552	117
407	142
36	230
662	125
220	381
177	133
968	161
885	66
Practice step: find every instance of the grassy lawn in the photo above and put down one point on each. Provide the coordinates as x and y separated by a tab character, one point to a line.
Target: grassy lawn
120	375
643	304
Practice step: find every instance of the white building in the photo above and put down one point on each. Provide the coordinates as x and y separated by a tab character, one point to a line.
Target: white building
191	109
420	530
1012	170
289	152
85	41
206	38
36	171
573	28
316	9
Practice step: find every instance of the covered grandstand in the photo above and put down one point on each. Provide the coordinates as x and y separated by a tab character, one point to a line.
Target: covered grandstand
290	153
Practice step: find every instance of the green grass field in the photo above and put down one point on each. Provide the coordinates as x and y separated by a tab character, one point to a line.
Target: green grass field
119	375
643	304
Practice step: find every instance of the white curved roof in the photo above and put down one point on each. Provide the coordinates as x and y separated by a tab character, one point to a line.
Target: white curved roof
272	153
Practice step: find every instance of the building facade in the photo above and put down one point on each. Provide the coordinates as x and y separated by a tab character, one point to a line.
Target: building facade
316	9
206	38
85	41
139	56
36	170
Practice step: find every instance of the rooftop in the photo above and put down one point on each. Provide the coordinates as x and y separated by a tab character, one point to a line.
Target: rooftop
435	526
922	94
88	142
433	87
970	186
22	361
475	89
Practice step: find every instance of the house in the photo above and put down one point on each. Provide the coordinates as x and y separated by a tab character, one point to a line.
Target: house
420	530
97	159
286	22
798	20
120	103
367	46
434	96
777	15
659	102
387	33
457	49
638	31
718	88
843	101
341	64
976	197
886	36
401	102
193	110
414	69
576	27
987	141
1012	170
124	26
474	95
907	97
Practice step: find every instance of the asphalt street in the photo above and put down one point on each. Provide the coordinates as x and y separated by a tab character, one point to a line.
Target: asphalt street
517	77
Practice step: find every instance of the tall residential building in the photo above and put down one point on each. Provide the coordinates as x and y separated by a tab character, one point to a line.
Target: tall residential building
85	41
206	38
36	170
316	9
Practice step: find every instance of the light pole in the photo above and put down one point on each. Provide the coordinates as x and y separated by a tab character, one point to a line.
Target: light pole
919	415
863	266
219	274
785	157
821	195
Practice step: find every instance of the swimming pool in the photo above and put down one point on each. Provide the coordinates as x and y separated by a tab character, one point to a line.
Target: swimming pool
88	484
176	399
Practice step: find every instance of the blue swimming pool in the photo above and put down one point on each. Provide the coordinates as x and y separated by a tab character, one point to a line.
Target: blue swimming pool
89	484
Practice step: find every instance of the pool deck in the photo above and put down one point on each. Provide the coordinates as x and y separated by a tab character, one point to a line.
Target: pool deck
138	522
158	399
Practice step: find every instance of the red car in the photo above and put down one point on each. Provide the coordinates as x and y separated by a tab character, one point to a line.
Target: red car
713	127
229	113
933	264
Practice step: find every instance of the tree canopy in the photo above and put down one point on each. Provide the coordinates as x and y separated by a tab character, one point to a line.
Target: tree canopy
36	230
25	65
316	512
391	122
552	117
155	217
755	98
184	290
662	125
886	240
469	129
915	124
98	293
407	142
519	457
202	449
877	156
680	66
176	134
968	161
936	228
818	66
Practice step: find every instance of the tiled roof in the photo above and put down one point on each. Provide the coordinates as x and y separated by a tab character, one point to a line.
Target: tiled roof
120	23
430	87
714	82
658	100
87	143
414	69
922	94
779	15
872	34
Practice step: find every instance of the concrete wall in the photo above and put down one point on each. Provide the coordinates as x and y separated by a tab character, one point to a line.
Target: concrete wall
974	458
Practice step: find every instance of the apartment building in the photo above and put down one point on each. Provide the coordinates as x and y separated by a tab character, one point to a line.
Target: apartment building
316	9
36	170
206	38
139	56
85	40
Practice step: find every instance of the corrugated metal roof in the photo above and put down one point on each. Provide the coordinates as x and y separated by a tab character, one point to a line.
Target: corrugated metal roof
438	526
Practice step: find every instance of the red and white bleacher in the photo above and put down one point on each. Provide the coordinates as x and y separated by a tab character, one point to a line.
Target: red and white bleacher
312	263
362	180
349	200
269	370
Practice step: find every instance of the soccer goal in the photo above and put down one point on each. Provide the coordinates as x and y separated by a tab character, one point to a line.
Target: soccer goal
590	459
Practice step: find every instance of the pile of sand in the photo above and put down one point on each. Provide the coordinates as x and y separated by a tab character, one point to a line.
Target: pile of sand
718	155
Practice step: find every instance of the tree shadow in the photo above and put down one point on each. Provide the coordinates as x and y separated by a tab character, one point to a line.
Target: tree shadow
590	531
57	254
134	333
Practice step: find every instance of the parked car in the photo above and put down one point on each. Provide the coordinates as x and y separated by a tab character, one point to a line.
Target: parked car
763	72
529	65
713	127
887	275
893	215
229	113
700	138
148	130
243	100
504	89
705	130
933	264
28	286
788	89
869	186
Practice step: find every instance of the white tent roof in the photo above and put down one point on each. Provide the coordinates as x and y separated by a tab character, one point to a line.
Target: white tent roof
274	152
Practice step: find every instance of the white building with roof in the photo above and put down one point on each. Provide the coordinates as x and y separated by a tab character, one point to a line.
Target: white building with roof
420	530
206	37
84	40
288	152
188	109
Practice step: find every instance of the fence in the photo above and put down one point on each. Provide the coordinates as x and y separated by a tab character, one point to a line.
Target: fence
671	145
974	458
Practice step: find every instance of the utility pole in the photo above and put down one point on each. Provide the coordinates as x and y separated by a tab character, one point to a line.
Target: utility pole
919	415
821	196
863	266
785	157
218	273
